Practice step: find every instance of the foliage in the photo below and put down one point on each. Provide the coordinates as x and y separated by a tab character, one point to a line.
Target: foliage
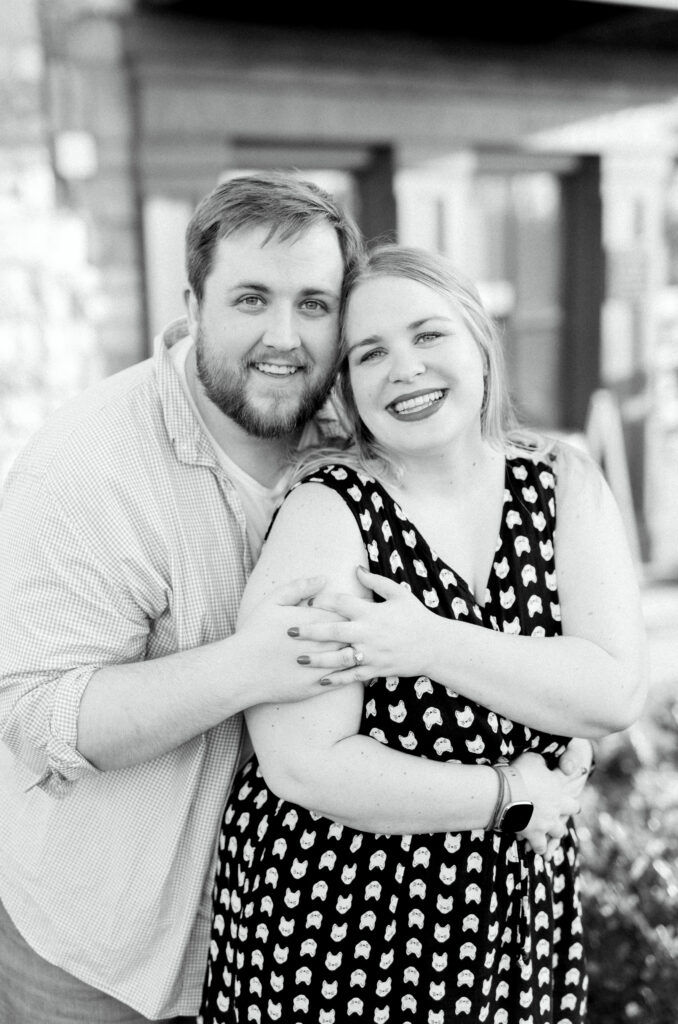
629	844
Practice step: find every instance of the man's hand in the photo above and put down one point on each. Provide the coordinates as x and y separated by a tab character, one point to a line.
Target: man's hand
578	758
284	670
555	797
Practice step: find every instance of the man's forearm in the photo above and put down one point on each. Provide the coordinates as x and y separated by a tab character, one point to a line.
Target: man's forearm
134	712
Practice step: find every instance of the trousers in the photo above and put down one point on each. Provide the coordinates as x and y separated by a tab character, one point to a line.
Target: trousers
34	991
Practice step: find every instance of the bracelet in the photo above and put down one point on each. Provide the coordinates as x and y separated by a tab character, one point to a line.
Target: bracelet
501	797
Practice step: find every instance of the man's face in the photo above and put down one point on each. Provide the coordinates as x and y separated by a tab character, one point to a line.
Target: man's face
266	330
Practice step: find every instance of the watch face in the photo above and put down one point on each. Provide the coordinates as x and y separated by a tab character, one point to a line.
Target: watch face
517	816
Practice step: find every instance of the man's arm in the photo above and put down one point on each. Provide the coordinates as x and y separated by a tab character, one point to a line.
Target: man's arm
131	713
76	693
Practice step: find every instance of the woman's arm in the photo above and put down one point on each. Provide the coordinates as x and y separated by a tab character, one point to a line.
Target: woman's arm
311	753
589	682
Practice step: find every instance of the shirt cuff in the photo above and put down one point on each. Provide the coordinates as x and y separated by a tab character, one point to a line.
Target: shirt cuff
65	765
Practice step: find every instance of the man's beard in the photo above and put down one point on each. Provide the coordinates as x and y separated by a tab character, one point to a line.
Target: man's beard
227	388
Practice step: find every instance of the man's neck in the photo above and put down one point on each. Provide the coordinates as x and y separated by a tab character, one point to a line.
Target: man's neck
264	459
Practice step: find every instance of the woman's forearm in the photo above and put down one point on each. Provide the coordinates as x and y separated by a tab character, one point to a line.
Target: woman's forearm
565	684
368	786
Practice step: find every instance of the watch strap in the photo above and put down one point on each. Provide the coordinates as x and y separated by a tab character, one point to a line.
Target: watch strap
503	797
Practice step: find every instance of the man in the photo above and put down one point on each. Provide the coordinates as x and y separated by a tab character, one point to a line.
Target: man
128	528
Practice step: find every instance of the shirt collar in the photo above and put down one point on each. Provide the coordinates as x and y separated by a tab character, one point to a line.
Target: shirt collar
191	443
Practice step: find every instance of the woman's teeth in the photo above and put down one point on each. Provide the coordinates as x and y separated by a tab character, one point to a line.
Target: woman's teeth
418	402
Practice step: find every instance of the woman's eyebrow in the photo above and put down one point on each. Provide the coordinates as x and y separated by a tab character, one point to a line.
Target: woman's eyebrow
410	327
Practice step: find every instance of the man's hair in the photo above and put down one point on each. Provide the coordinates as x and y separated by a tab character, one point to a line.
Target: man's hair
285	204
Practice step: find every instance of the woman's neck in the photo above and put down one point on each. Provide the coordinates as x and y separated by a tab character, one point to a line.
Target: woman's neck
458	470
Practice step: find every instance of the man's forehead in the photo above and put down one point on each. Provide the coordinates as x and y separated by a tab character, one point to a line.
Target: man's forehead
268	234
313	254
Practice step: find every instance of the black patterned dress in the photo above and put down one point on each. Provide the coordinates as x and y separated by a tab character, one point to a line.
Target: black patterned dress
318	923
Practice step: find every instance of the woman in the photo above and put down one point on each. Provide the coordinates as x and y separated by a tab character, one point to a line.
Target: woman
440	886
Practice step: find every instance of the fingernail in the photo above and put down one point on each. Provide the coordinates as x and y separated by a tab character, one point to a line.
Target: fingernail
584	771
293	631
304	659
310	601
325	682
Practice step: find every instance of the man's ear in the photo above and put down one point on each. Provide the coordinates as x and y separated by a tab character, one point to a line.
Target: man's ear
192	311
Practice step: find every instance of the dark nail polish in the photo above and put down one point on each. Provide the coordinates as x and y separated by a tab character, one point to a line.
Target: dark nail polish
304	659
325	682
293	631
310	602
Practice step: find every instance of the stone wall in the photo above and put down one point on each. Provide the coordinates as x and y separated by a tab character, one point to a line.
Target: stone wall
48	288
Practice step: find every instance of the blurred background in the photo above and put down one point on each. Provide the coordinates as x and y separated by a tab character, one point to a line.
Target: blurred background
535	144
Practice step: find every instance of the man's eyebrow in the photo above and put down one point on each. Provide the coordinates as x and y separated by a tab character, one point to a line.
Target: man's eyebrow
375	338
321	290
257	286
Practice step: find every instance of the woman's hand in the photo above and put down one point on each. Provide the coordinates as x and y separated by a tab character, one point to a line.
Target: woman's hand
555	796
389	635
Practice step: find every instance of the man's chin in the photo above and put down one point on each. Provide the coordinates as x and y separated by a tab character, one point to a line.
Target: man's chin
266	414
271	424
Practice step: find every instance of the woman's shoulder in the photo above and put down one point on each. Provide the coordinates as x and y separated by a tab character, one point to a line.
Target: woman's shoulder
338	476
575	468
567	460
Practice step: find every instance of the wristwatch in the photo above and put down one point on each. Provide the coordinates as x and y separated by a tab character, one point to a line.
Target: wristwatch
513	809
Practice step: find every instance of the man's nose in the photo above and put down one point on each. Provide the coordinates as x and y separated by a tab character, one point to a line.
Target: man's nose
281	331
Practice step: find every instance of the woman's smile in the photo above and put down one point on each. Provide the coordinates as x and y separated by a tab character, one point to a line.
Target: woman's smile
417	406
413	359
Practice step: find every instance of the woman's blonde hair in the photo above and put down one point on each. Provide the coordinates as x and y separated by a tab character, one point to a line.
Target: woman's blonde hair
499	425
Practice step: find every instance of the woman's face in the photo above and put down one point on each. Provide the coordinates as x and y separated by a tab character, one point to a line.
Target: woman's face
416	370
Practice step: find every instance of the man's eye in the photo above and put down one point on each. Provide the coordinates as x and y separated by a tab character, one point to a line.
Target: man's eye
314	306
251	300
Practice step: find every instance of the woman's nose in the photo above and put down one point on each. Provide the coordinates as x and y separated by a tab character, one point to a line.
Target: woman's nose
405	367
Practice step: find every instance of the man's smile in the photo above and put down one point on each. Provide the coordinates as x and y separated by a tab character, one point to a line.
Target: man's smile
277	369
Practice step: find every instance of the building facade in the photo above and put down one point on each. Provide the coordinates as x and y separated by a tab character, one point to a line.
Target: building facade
543	161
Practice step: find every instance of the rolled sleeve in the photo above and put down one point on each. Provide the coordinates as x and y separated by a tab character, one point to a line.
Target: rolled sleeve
63	615
43	732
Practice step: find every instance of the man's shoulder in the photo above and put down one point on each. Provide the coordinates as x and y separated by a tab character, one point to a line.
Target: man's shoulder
98	424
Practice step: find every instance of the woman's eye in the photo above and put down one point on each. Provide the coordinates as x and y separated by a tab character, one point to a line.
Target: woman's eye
429	336
369	356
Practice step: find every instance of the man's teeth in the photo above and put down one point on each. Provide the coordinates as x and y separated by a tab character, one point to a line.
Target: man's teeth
276	368
419	402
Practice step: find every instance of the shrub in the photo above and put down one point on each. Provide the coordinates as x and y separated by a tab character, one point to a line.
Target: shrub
629	844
